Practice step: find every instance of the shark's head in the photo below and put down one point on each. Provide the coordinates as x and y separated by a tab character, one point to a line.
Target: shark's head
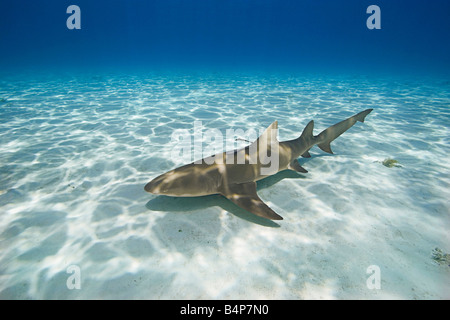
168	184
182	182
156	186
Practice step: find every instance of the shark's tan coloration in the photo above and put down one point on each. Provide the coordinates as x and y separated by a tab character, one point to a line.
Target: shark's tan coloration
234	174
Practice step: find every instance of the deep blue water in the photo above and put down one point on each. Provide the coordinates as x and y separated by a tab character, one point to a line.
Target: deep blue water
323	35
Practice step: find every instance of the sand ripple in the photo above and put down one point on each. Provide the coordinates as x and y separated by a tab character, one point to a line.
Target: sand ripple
75	153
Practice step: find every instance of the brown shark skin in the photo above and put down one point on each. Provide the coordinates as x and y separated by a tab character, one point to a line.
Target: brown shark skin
228	176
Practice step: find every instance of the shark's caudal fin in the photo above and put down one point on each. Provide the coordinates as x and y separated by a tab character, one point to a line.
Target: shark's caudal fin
327	136
362	115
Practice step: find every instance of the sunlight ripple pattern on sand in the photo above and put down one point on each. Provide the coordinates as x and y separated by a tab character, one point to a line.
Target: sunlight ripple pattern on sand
75	153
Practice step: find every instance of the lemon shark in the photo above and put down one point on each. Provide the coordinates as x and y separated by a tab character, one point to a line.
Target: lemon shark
234	174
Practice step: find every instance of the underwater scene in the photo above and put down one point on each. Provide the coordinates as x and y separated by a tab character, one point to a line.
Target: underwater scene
107	106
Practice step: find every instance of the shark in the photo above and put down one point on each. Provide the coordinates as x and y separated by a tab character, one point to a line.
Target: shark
234	174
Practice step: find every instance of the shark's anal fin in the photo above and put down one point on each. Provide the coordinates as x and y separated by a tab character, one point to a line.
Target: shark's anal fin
245	196
294	165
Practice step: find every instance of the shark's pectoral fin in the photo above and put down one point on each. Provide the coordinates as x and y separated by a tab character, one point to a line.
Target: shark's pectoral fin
294	165
245	196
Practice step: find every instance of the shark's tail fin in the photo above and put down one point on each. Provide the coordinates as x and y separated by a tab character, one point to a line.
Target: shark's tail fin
362	115
327	136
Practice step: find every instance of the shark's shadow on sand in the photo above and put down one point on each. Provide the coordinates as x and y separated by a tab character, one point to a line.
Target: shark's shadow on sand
183	204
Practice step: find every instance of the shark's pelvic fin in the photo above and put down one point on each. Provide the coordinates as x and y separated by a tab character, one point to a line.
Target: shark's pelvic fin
327	136
245	196
294	165
306	154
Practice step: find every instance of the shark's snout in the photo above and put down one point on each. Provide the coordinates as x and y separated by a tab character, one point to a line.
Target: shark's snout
160	185
153	186
149	187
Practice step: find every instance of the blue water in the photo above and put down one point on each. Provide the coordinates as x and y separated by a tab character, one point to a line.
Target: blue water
305	35
87	118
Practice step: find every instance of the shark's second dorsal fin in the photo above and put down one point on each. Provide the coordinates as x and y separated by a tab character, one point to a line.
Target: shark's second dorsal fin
308	131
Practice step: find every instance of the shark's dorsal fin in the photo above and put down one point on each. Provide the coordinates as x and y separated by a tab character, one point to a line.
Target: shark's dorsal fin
245	196
308	131
270	133
264	142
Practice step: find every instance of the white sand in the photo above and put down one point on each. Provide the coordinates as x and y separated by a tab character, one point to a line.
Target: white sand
76	152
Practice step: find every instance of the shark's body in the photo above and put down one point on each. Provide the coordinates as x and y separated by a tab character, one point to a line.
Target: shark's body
235	178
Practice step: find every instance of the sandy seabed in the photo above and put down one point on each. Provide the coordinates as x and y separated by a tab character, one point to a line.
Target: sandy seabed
76	152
